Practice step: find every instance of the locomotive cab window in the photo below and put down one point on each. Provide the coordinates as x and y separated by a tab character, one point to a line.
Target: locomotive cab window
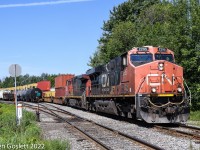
167	57
138	59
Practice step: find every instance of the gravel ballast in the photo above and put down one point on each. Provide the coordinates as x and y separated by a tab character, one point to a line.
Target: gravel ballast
58	131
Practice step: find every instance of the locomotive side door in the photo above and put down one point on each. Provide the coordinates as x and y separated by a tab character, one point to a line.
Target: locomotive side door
124	89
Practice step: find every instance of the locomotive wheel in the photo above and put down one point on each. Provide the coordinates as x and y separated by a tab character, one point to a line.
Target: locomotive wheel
66	102
51	99
94	108
87	106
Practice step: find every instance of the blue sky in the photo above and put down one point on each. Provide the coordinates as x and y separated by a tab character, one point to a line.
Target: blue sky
43	36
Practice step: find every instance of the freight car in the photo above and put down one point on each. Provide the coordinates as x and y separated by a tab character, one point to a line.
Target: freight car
6	95
25	92
49	96
144	83
33	95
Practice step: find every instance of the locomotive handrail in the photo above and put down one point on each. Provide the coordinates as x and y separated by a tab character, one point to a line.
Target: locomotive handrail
190	95
165	104
141	83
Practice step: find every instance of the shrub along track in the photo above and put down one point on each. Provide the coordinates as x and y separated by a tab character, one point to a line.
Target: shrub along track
103	136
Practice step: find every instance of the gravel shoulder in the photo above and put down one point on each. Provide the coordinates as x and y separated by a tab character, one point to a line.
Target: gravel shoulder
194	123
52	129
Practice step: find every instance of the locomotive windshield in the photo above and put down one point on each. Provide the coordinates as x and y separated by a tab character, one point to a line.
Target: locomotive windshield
167	57
138	59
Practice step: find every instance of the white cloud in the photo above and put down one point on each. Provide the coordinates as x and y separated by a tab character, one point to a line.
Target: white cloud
42	3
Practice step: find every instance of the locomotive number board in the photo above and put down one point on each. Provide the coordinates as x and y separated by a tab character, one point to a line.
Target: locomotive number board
162	49
143	49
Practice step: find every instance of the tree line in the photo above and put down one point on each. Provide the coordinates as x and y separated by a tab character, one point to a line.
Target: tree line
173	24
27	79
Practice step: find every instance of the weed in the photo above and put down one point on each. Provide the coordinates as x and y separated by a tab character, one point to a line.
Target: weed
27	132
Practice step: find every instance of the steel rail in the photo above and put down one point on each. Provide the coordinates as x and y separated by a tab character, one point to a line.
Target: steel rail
187	134
190	127
133	138
99	143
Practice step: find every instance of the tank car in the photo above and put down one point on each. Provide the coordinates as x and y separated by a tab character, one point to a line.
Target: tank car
19	94
33	95
144	82
22	95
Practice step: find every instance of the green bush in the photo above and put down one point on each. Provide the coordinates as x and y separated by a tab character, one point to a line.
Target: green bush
57	145
27	132
195	115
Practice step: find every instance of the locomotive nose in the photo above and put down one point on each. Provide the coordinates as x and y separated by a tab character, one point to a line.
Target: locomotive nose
163	77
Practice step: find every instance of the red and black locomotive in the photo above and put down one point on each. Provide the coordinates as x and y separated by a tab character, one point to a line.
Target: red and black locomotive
144	83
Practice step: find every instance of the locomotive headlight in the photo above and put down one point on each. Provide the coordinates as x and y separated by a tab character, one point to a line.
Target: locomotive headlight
161	66
179	89
153	90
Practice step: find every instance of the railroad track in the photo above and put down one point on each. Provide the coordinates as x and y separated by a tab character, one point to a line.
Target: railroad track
69	125
182	130
103	136
197	129
7	102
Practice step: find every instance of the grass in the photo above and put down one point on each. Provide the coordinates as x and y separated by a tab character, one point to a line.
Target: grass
194	118
195	115
27	134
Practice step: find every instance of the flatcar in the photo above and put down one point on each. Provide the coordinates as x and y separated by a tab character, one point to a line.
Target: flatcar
49	96
144	82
